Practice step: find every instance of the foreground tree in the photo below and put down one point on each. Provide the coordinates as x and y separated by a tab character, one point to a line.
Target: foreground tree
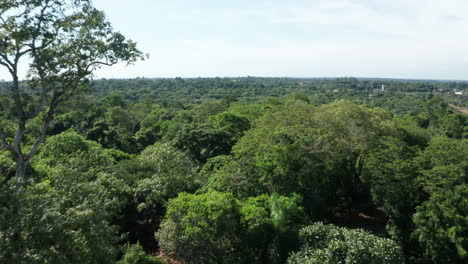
331	244
202	229
66	219
215	227
271	225
62	42
442	226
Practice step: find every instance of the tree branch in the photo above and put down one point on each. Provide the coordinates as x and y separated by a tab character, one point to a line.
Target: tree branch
3	137
98	63
22	53
44	86
4	144
3	19
57	98
7	63
40	107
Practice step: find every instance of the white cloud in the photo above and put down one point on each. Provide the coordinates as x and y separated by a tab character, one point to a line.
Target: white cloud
396	18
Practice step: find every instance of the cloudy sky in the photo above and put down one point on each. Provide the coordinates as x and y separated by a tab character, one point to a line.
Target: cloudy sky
295	38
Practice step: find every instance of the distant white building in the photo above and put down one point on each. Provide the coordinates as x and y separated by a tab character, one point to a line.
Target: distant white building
383	88
459	93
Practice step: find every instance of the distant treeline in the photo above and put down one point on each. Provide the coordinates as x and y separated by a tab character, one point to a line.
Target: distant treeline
397	96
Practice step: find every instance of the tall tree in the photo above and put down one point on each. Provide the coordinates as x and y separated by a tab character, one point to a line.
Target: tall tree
62	42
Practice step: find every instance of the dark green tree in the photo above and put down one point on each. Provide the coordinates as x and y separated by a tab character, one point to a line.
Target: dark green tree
442	225
233	124
271	225
202	142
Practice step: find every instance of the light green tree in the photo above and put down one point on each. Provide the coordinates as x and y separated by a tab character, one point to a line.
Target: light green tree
331	244
202	228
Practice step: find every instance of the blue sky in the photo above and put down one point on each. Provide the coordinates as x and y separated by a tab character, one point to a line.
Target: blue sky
296	38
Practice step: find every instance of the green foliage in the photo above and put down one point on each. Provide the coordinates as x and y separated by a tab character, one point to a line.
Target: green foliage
215	227
69	150
440	120
115	130
443	151
158	174
454	126
206	109
203	142
64	221
233	124
298	98
249	111
413	133
134	254
65	144
201	228
165	172
393	181
300	153
330	244
119	118
113	100
400	97
7	165
61	43
443	164
228	99
314	151
442	225
276	148
271	224
256	216
402	178
226	174
154	126
435	108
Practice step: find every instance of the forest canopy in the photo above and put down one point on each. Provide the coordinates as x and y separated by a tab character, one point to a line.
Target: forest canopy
313	176
217	170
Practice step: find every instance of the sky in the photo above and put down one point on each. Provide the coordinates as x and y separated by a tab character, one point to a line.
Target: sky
294	38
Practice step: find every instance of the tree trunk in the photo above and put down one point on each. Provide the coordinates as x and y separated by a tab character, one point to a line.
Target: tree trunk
20	171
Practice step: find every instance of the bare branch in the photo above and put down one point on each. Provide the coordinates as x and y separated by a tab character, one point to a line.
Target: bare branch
94	63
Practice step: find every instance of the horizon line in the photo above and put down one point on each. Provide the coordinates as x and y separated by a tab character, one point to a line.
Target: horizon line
285	77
